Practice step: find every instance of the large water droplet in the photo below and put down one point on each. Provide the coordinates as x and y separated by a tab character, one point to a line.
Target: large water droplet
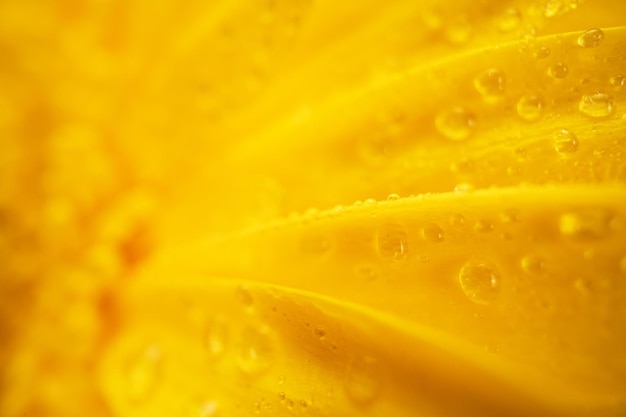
480	281
597	105
143	373
364	380
256	352
530	107
490	83
565	141
585	225
432	233
591	38
392	242
455	124
558	70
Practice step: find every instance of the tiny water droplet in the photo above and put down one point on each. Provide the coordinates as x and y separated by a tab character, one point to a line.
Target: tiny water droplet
256	351
509	20
565	141
542	52
553	8
530	107
281	395
532	264
558	70
585	225
392	197
480	282
281	380
363	380
490	83
432	233
143	373
455	124
591	38
618	80
597	105
392	242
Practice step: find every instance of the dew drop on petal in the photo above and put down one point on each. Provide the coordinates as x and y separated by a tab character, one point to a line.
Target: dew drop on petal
542	52
256	351
480	282
591	38
618	80
392	197
490	83
532	264
364	380
392	242
558	70
565	141
597	105
585	225
143	373
432	233
530	107
455	124
509	20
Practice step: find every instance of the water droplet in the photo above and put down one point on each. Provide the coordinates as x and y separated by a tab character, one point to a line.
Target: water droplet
364	380
455	124
597	105
143	374
542	52
530	107
484	226
480	282
509	20
457	220
463	187
392	242
282	396
392	197
319	332
558	70
432	233
490	83
459	31
281	380
256	351
585	224
370	202
532	264
203	409
553	8
618	80
244	297
216	337
565	141
591	38
314	245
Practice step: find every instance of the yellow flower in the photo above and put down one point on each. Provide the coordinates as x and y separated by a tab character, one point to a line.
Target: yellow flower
305	207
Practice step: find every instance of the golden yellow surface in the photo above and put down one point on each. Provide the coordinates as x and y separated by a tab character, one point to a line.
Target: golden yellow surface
301	207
